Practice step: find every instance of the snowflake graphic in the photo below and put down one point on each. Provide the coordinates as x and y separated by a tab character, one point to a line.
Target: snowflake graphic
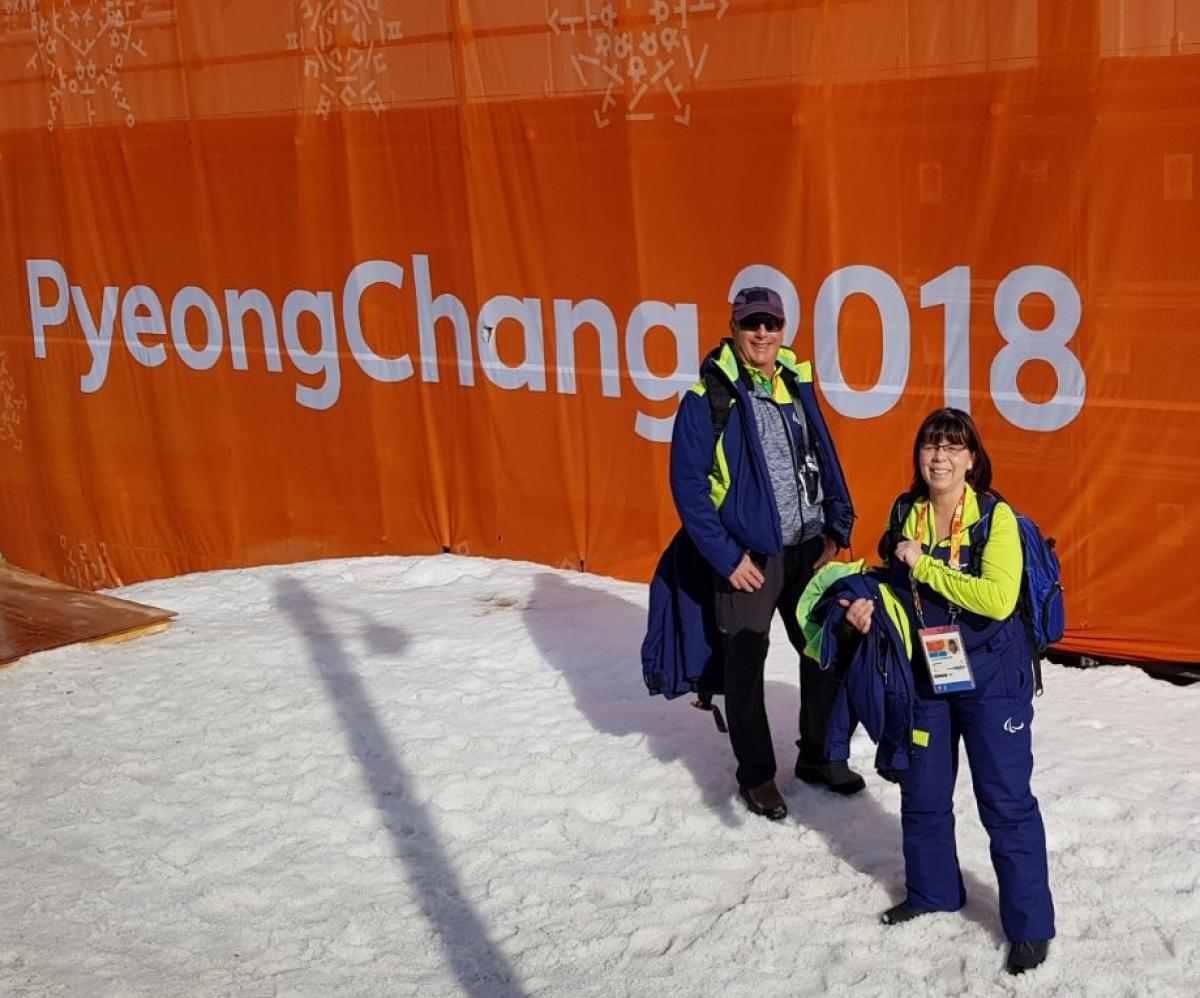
12	405
14	15
85	570
82	46
341	41
631	63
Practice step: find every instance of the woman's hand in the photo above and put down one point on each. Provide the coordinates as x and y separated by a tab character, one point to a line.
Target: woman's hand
909	552
860	613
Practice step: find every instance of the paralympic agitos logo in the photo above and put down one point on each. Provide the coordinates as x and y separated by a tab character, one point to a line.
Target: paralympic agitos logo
148	326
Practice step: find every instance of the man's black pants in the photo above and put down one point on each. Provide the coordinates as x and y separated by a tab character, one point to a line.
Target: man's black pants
744	620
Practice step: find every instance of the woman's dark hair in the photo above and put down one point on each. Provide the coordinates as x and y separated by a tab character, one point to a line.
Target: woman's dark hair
952	426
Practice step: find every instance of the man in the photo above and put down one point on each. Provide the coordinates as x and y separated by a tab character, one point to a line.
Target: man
762	496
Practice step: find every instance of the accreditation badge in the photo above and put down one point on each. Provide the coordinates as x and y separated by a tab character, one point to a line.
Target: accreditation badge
946	656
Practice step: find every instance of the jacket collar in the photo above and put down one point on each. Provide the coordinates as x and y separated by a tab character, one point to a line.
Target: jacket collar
726	360
971	510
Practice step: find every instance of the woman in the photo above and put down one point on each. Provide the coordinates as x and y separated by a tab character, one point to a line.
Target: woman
989	706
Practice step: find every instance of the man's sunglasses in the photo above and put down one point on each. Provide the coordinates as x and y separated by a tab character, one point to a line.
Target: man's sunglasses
751	323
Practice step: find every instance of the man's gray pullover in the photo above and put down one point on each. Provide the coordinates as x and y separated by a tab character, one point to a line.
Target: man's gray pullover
799	516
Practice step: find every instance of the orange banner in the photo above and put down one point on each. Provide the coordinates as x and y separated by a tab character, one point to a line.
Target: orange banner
313	278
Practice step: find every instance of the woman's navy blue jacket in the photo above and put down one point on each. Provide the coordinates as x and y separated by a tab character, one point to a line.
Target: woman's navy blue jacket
877	685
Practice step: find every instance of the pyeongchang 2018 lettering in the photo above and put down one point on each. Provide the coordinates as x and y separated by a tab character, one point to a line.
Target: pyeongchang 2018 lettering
146	326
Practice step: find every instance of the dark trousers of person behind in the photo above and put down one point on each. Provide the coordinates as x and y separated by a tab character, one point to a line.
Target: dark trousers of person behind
744	620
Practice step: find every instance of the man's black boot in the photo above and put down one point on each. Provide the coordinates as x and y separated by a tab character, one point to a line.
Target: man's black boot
765	799
836	775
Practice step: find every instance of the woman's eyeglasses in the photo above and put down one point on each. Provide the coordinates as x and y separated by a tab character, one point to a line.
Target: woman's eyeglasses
952	450
751	323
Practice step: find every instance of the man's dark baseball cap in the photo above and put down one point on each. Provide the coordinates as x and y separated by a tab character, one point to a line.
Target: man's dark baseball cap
757	301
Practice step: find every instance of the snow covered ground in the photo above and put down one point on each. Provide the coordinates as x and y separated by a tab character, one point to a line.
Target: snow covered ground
442	776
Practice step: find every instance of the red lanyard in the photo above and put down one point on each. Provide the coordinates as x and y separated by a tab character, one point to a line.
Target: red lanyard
924	512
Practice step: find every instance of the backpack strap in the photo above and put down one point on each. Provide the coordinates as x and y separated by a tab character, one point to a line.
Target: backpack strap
720	398
703	701
720	395
980	531
895	529
1036	660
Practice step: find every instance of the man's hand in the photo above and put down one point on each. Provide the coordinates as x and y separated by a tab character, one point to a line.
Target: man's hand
860	613
746	577
831	549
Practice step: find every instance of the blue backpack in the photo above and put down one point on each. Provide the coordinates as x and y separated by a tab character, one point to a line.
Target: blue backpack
1041	601
1040	604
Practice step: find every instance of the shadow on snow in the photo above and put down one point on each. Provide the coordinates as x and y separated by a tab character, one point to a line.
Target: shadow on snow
593	639
481	970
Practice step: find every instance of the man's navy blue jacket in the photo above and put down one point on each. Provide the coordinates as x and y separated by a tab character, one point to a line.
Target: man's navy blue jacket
722	490
722	487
